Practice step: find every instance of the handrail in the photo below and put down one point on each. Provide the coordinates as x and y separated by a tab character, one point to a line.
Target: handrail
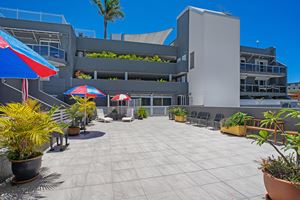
48	50
4	83
262	88
251	67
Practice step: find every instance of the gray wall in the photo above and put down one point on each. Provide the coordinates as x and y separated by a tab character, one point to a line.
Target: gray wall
93	44
119	65
132	86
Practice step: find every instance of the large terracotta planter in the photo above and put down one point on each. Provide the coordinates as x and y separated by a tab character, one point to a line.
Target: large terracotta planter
26	170
234	130
280	189
181	119
73	131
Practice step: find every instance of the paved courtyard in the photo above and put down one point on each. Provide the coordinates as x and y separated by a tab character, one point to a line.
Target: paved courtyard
154	159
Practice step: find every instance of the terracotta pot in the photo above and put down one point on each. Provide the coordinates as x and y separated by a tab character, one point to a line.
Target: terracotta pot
234	130
73	131
180	118
26	170
280	189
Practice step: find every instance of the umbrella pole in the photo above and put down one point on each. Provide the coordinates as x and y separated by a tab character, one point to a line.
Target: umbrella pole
85	120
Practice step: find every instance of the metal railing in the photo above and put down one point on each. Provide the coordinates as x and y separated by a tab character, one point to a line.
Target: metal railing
85	33
152	110
48	51
249	67
61	116
263	89
32	15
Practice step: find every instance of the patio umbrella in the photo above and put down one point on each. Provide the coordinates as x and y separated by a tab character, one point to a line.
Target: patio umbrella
85	91
121	97
18	61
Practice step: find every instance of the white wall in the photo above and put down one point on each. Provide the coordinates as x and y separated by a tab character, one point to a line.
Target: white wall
215	39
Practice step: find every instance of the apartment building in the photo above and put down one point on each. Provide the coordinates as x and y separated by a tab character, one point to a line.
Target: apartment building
205	65
294	90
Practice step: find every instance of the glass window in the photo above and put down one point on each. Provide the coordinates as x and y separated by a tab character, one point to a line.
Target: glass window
192	60
167	101
145	101
157	101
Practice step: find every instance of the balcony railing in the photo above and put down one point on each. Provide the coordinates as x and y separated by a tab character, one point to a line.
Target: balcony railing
263	89
32	16
48	51
249	67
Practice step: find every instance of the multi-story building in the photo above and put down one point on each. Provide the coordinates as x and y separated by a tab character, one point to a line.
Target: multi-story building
294	90
205	65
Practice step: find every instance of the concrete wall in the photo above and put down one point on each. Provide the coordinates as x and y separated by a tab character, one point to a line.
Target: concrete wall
93	44
215	78
118	65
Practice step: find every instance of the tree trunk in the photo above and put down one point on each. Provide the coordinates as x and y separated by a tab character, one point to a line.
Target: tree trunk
105	29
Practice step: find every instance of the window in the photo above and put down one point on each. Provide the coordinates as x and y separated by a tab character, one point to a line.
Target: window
167	101
157	101
192	60
146	102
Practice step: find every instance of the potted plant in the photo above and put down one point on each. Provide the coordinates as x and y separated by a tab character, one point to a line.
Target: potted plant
235	124
24	130
75	116
114	114
171	113
281	174
86	107
180	114
142	113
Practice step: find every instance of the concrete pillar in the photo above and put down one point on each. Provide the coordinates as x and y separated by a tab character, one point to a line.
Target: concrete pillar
151	105
95	75
170	77
108	100
126	76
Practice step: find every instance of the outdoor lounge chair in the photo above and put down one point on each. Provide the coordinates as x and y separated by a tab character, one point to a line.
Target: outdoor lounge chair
202	119
129	116
192	116
101	117
217	120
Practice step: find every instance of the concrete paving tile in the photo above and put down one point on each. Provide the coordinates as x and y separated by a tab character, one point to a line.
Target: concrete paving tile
148	172
169	169
155	186
96	192
203	177
127	190
164	196
65	194
97	178
222	191
194	193
124	175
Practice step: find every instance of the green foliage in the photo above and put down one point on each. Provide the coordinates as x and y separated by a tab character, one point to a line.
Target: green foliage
113	78
75	114
285	167
236	119
85	105
161	80
24	128
81	75
142	112
111	55
278	168
179	111
114	111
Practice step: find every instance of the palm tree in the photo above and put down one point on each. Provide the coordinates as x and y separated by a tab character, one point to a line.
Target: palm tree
110	10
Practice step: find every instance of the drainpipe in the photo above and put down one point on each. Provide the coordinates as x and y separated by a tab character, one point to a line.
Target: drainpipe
151	104
126	76
108	101
95	75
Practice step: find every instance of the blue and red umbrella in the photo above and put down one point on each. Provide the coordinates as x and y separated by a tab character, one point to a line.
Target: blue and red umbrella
85	91
17	60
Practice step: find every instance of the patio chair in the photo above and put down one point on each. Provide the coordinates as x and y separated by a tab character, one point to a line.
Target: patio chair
129	115
193	120
101	117
192	115
203	119
216	122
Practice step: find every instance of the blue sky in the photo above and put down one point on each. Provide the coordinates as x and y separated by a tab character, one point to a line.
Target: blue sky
272	22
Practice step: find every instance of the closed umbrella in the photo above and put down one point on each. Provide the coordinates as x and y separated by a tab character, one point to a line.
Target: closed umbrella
18	61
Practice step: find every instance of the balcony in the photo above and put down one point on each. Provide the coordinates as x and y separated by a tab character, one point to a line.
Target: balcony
56	56
135	86
266	90
263	69
122	65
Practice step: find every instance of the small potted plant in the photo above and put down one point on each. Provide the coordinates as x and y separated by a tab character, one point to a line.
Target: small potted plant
235	124
114	114
171	113
142	113
24	130
281	174
75	116
180	114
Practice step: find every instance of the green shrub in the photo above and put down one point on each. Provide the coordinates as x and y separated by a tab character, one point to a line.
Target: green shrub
180	111
81	75
142	113
111	55
162	80
236	119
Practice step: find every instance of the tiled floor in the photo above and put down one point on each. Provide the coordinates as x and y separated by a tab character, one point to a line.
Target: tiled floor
155	159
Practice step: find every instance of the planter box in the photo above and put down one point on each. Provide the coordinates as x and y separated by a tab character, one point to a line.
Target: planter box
234	130
181	119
